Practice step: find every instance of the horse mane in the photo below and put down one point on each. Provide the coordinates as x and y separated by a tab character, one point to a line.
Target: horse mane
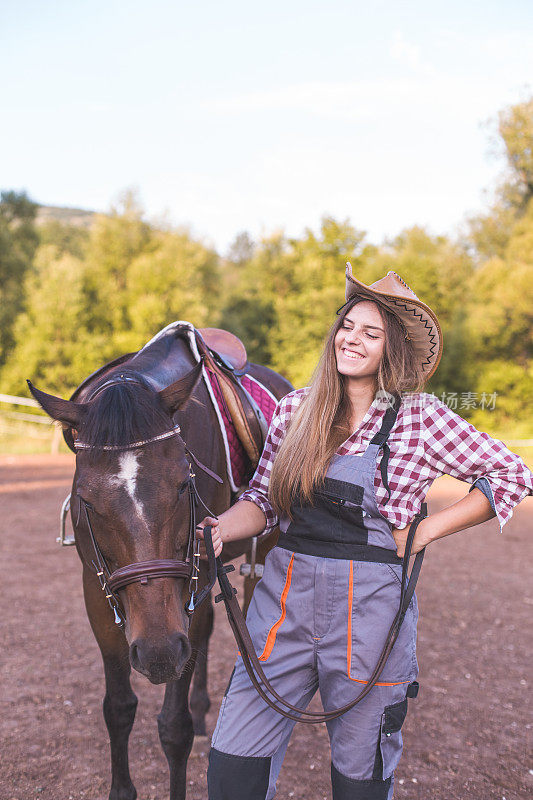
123	413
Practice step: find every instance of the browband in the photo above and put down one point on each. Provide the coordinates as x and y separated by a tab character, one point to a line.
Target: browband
166	435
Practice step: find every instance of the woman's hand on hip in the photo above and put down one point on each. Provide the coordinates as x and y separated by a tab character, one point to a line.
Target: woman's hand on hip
215	535
421	538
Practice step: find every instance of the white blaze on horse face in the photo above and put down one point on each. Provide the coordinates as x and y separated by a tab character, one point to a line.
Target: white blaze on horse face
129	466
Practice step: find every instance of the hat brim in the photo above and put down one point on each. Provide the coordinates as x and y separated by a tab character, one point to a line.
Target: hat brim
419	321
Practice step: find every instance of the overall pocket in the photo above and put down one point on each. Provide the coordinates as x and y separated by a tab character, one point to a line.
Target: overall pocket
390	743
373	601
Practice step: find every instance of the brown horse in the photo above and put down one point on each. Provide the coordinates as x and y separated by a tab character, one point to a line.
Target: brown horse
129	506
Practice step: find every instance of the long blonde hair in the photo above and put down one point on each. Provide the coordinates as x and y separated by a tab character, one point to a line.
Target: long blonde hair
321	422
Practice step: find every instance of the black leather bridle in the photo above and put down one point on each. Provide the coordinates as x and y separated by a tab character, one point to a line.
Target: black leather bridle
112	582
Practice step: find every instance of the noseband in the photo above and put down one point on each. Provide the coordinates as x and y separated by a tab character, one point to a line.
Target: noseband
143	571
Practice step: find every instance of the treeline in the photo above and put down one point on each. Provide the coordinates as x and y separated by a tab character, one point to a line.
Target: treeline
71	298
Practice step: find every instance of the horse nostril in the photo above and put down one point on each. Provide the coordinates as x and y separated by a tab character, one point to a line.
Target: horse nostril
181	646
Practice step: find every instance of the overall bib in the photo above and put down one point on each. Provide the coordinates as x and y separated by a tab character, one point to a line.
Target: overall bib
318	619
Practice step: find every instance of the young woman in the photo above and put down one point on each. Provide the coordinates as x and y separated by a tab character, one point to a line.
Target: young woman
345	468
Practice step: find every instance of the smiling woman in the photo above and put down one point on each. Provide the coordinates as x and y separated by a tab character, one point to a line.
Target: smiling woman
345	470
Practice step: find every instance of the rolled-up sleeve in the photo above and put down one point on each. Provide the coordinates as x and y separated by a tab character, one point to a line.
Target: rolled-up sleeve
455	447
258	487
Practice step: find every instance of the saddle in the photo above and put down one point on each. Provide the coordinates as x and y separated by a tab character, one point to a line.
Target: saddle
226	360
227	347
225	357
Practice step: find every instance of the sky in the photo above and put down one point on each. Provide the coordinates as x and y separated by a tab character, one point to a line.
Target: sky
263	116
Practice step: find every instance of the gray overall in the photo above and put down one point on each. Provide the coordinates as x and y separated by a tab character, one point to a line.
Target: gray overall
319	619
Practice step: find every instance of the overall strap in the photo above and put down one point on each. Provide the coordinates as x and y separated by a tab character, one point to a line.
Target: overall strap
381	438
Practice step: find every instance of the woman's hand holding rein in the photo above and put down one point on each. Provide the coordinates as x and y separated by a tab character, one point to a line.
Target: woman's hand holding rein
242	521
215	534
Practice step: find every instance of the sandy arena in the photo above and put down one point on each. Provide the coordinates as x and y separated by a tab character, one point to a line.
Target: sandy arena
467	735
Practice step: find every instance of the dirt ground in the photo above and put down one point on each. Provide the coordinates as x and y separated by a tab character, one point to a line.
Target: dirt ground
467	735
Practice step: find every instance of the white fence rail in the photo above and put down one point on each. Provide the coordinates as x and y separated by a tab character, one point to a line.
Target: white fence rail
18	401
40	419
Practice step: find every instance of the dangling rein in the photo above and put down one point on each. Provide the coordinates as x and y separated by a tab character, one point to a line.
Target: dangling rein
247	649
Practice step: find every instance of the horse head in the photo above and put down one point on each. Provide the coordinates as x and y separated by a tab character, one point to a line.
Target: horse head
131	504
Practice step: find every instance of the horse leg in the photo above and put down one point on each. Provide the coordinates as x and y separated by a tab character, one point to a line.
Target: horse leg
176	731
199	702
120	702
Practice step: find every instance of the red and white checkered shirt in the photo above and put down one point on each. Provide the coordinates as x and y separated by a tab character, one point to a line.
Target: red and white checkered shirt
427	440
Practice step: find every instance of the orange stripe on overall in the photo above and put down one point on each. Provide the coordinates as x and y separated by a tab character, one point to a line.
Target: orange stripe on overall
271	638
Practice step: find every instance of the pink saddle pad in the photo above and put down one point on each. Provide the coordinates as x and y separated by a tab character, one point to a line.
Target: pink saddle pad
240	463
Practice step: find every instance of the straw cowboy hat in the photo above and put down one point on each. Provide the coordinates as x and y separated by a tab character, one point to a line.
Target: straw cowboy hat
420	322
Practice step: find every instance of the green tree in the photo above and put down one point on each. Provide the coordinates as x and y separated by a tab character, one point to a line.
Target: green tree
51	348
504	390
312	268
127	282
241	250
283	299
18	242
248	295
500	326
72	239
500	323
516	130
115	241
177	278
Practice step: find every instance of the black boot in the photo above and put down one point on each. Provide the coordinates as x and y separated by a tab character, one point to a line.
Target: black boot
237	777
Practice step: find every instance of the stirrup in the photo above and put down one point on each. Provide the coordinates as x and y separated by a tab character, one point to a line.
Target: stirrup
250	569
63	539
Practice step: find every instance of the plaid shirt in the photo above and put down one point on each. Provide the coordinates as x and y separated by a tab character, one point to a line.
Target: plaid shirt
427	440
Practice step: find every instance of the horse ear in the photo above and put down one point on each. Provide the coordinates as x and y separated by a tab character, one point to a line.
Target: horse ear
66	411
175	396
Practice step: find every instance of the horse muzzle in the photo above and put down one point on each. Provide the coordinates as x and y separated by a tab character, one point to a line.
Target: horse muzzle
163	660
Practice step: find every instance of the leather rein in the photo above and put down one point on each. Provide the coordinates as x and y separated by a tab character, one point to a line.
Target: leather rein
112	582
249	656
